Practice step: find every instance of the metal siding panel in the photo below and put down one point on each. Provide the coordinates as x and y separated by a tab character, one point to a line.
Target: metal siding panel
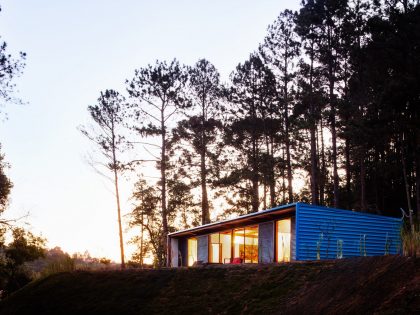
297	232
293	238
347	226
266	242
203	248
174	252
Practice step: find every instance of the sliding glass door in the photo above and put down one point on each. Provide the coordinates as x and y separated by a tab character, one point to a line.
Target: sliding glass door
220	247
234	246
283	231
192	251
245	244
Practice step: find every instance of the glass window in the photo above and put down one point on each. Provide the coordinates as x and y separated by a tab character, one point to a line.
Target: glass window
245	244
214	246
238	245
251	244
220	247
192	251
283	240
226	242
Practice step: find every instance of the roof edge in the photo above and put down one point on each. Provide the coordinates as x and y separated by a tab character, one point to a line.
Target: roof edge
234	219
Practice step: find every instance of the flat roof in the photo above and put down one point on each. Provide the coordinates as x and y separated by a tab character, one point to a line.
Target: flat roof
247	219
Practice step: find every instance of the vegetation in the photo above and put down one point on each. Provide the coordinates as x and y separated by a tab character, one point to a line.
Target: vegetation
21	246
410	239
106	134
383	285
14	256
10	68
330	97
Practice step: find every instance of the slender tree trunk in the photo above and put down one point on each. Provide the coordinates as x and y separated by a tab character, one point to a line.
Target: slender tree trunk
272	177
141	239
377	181
407	192
255	178
265	195
334	158
267	172
314	167
163	184
283	179
288	160
323	168
287	127
363	203
117	195
331	80
314	164
205	211
205	215
348	173
418	181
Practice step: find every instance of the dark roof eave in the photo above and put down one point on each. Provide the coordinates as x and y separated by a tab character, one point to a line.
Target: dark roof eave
230	223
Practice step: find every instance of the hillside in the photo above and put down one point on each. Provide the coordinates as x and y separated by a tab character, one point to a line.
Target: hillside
389	285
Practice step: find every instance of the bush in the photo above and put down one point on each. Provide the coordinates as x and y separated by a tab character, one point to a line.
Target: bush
64	263
411	241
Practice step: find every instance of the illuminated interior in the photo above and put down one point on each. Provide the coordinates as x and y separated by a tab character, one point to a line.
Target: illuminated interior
220	247
283	240
246	244
192	251
234	246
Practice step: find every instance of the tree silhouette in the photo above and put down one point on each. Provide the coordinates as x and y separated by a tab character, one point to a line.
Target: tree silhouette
157	93
108	137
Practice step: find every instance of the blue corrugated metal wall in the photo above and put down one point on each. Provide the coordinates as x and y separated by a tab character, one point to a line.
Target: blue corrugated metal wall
322	231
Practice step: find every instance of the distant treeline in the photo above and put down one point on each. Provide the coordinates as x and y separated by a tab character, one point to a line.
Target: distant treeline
332	95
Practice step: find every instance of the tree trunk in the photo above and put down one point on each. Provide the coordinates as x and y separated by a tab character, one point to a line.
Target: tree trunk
272	177
265	195
334	157
117	194
286	127
363	204
314	164
314	167
288	162
377	182
283	180
205	211
418	181
163	184
331	80
407	192
255	178
141	240
323	168
348	174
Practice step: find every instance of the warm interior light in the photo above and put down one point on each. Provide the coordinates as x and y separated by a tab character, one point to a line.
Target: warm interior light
192	251
283	240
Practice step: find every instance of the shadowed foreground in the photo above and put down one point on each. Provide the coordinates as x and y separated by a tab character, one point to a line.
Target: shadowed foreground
388	285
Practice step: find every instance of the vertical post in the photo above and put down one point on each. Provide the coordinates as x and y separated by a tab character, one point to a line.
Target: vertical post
168	251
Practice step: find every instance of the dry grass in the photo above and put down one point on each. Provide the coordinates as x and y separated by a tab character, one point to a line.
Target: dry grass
366	285
411	241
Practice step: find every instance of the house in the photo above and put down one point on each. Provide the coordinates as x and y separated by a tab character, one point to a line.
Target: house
291	232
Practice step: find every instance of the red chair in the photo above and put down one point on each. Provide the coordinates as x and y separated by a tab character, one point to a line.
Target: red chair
237	261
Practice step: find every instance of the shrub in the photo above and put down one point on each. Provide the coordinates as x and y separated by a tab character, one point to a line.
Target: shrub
411	241
64	263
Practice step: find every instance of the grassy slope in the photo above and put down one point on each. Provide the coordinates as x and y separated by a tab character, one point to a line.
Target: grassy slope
388	285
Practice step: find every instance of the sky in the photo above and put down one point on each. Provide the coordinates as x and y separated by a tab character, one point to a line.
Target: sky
75	49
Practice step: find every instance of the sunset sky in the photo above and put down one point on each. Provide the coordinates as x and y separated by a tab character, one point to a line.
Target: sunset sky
76	49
